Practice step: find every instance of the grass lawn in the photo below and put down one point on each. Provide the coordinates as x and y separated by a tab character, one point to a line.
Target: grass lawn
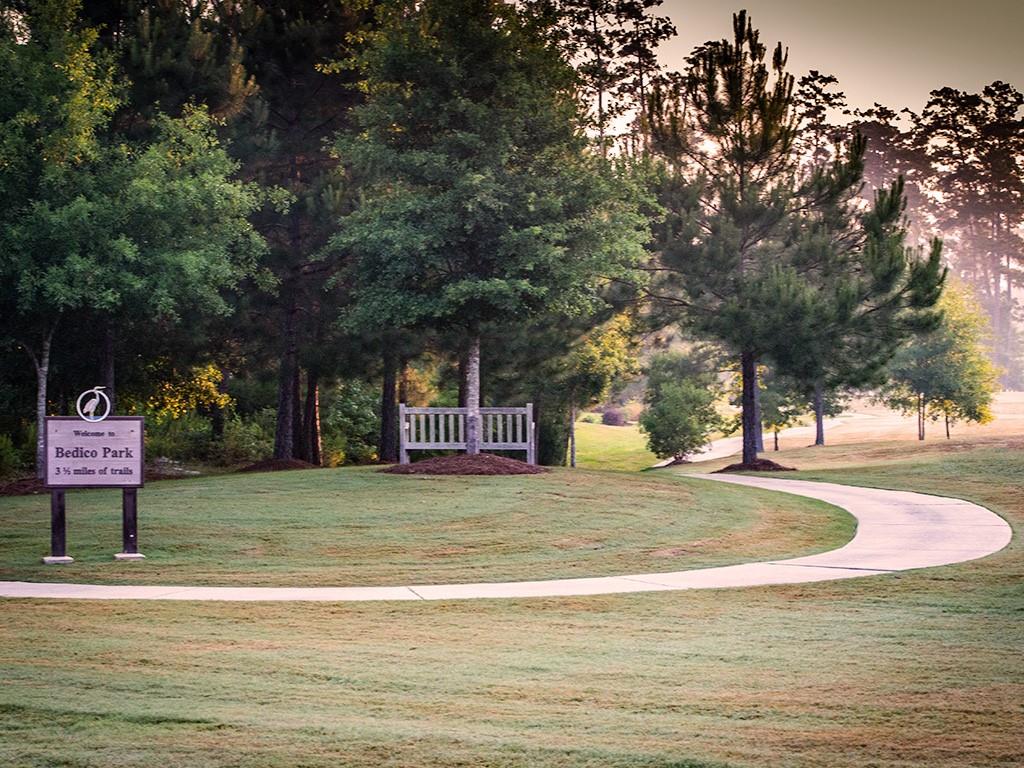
602	447
356	526
917	669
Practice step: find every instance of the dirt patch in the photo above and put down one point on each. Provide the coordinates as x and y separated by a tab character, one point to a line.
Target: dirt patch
759	465
480	464
277	465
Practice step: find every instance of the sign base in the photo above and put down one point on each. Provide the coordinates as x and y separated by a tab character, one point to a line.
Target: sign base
129	556
58	560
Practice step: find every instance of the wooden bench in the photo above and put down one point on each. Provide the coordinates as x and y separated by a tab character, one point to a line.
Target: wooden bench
435	429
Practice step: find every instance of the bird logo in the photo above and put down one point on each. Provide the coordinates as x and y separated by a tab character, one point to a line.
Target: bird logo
95	396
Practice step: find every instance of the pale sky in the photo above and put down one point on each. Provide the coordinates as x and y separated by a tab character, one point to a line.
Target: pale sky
890	51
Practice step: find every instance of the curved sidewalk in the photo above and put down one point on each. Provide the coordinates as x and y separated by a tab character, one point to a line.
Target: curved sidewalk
896	531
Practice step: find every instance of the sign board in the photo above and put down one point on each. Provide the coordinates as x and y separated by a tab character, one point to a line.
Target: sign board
102	454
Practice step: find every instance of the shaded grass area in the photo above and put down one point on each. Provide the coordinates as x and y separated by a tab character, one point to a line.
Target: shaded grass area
915	669
602	447
358	526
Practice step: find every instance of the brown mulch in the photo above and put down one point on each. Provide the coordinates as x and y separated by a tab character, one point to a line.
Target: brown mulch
23	486
277	465
27	486
480	464
761	465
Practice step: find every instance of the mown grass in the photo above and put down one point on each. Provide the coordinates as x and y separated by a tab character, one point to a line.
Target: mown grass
359	526
915	669
602	447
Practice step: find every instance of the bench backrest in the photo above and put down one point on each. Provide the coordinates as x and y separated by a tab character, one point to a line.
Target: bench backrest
501	429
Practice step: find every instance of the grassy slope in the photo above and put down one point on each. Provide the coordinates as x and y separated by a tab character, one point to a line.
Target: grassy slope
358	526
918	669
602	447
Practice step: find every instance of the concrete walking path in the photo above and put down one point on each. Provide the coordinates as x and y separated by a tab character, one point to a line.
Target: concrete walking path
896	531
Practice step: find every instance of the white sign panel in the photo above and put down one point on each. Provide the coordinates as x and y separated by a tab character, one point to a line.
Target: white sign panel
83	454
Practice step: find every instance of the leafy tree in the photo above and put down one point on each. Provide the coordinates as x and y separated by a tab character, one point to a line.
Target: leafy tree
156	232
54	99
974	143
605	354
946	372
680	413
481	203
783	402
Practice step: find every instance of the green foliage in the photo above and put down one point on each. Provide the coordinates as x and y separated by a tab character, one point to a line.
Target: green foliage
186	438
605	354
351	423
947	372
764	255
681	397
680	420
245	440
480	202
10	457
189	437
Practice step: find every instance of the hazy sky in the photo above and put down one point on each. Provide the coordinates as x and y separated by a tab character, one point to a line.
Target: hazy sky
890	51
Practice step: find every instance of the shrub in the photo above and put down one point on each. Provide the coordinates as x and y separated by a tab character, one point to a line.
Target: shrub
188	437
10	457
680	418
245	440
613	417
351	423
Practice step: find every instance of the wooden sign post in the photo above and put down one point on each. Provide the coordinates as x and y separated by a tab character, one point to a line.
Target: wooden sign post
84	453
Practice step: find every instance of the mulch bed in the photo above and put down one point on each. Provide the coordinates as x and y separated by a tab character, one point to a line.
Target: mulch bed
22	487
761	465
27	486
480	464
277	465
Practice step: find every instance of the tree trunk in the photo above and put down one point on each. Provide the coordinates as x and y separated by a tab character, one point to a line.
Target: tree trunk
572	436
819	413
757	411
776	439
42	365
217	412
403	381
947	426
299	436
920	416
748	371
388	445
473	396
284	435
312	444
109	381
463	379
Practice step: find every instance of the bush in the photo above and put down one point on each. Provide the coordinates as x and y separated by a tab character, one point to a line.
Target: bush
613	417
351	424
245	440
10	457
680	418
188	437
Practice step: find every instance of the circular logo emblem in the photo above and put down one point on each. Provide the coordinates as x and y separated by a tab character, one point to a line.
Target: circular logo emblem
93	404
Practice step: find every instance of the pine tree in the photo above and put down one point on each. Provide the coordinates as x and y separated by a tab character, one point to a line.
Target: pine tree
482	203
764	253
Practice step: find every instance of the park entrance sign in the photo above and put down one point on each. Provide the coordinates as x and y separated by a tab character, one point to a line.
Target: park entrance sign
105	454
94	451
